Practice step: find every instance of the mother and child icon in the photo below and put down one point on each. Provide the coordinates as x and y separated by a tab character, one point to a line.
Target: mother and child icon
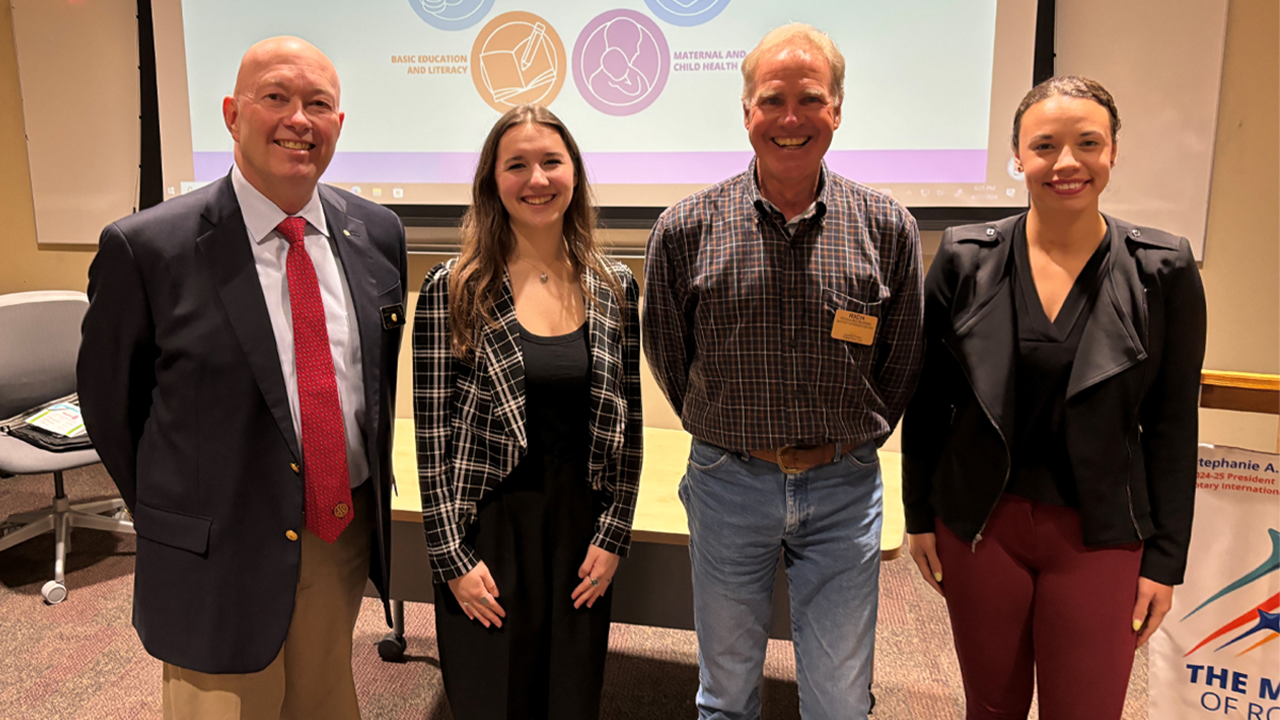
617	80
622	63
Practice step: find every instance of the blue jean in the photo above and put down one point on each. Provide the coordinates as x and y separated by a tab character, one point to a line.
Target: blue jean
826	521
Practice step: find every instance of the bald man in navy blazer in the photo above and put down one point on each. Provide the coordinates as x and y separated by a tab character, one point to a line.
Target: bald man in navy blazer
188	377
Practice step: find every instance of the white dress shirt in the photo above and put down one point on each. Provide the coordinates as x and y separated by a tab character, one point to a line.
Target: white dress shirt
270	251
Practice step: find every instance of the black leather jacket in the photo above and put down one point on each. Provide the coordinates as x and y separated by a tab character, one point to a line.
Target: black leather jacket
1132	399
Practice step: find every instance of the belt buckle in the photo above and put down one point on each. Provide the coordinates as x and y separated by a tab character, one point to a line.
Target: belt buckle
787	460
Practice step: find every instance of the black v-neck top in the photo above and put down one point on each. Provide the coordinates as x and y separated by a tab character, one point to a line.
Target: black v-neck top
557	389
1041	466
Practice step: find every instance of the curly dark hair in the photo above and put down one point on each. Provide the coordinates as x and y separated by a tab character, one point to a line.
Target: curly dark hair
1070	86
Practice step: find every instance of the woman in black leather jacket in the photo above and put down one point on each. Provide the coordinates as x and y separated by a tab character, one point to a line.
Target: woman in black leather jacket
1049	451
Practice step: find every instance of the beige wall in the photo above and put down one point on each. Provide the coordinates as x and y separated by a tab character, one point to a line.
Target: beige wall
1242	248
1242	251
22	265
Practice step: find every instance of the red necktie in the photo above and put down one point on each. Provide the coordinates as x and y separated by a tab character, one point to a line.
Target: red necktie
324	439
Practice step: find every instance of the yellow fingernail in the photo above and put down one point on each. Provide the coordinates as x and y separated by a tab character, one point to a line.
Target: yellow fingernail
1137	625
937	576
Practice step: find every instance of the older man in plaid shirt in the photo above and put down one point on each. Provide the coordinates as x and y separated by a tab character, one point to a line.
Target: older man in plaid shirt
783	321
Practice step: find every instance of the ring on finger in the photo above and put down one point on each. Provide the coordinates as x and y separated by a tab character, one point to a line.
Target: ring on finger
466	604
594	581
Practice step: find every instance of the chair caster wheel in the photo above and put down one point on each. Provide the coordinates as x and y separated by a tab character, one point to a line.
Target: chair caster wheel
54	592
391	648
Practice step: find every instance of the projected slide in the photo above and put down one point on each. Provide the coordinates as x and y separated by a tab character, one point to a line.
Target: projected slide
650	88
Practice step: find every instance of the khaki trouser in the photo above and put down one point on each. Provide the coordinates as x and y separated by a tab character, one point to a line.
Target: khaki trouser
311	677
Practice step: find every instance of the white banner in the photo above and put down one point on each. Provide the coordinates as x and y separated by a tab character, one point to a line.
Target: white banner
1217	653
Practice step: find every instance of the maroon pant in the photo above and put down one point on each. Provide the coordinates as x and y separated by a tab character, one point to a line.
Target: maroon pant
1031	602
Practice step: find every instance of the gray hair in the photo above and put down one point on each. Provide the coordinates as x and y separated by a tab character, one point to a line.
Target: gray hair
795	35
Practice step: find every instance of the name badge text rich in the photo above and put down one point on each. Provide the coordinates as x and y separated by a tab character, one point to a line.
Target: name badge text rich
854	327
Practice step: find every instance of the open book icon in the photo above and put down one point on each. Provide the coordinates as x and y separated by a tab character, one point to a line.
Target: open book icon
528	65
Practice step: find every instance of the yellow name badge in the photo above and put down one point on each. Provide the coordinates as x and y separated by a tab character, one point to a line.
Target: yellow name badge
854	327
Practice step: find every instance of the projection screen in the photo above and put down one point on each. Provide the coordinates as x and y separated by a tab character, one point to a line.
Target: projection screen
650	88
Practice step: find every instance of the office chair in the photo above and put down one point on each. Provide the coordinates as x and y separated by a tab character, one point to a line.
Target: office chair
41	337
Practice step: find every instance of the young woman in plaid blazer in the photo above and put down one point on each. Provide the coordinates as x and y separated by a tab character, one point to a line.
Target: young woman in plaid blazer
526	351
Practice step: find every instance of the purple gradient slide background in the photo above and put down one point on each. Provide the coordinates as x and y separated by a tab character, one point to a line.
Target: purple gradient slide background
650	168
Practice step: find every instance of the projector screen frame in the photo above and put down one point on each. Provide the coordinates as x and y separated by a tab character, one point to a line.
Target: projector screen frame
151	190
643	218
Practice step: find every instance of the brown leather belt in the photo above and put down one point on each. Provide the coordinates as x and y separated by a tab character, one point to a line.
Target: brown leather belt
794	459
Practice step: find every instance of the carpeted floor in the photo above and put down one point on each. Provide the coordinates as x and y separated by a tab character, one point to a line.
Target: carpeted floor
82	660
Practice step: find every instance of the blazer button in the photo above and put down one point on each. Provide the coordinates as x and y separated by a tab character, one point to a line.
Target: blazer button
294	468
1135	232
340	510
991	232
293	536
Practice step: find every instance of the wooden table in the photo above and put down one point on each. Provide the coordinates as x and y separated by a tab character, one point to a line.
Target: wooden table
653	585
660	516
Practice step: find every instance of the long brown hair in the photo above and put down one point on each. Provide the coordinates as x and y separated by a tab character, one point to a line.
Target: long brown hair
487	239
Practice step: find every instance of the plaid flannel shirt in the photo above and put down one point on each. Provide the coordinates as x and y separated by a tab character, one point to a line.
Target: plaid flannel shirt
470	417
739	314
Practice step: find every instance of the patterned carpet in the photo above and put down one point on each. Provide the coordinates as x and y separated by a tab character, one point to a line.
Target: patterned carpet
82	660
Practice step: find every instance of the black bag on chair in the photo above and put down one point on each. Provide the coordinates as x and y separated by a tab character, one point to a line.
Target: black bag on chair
43	439
53	442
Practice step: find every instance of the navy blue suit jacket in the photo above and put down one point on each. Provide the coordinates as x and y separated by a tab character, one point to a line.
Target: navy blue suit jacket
185	401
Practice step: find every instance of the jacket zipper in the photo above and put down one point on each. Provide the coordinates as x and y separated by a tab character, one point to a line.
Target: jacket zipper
1128	488
1137	412
1008	459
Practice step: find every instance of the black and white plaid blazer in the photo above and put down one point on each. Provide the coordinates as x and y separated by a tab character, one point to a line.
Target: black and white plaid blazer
470	417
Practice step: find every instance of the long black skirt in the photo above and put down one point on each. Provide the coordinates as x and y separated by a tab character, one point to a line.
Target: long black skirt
547	660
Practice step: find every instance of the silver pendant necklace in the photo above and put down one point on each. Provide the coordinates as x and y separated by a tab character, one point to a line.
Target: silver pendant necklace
542	275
